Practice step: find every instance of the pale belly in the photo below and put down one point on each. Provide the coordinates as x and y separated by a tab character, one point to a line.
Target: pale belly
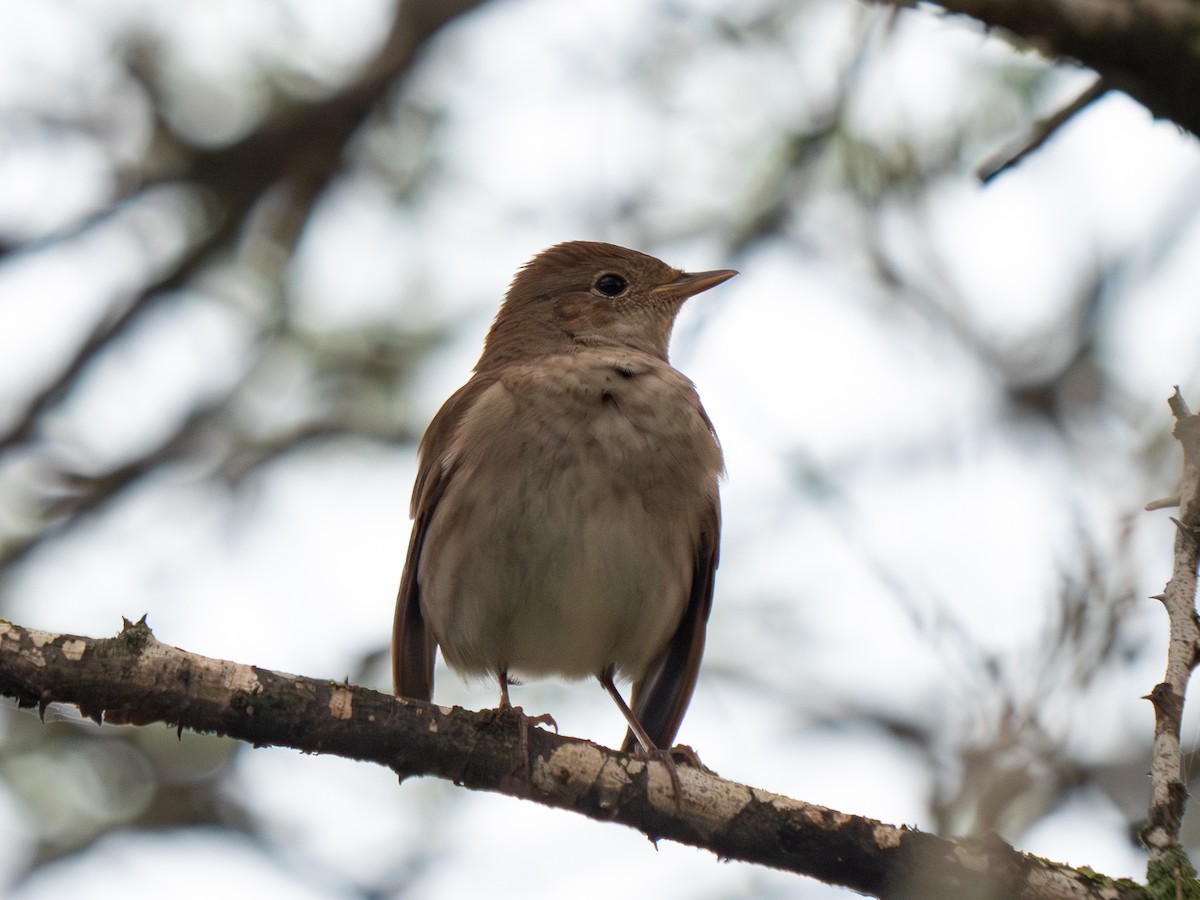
565	539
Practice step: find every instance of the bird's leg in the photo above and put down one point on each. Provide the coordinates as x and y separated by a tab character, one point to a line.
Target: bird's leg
648	750
643	739
505	703
523	721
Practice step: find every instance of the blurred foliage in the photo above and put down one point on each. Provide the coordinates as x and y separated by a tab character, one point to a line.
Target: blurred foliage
202	154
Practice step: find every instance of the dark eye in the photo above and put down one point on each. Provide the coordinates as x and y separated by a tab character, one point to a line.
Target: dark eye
610	285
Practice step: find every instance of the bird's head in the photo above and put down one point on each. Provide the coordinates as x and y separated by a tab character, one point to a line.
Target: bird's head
583	292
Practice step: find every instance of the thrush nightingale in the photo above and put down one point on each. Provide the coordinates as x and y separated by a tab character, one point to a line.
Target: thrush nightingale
566	516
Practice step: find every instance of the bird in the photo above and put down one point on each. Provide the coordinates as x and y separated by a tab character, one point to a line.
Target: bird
566	512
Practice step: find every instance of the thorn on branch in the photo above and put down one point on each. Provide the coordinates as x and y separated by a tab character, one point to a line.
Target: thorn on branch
136	634
1179	407
95	713
1166	701
1189	530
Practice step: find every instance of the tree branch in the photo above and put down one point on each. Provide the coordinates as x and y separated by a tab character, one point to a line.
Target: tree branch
1169	790
1146	48
1042	130
133	678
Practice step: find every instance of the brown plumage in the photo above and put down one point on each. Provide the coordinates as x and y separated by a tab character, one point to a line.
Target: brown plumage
566	516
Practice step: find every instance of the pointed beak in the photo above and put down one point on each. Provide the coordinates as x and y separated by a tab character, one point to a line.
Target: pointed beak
691	283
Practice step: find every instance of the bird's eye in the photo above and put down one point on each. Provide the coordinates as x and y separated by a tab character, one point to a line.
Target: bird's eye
610	285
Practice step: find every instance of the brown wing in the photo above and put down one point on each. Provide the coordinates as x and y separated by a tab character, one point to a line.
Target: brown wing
661	696
413	646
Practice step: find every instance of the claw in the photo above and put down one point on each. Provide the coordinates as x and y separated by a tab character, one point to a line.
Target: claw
646	749
523	720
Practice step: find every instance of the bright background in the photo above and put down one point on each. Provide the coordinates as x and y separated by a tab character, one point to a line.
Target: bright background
942	405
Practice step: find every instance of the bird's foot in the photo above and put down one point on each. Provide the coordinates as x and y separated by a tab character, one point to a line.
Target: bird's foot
667	758
685	754
524	721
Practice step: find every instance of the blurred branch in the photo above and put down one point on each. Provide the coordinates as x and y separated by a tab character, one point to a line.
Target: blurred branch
1169	790
1146	48
228	452
1042	130
1012	764
262	189
202	252
298	150
134	679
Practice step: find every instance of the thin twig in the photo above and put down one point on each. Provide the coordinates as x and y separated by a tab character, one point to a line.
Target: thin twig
1011	154
1169	792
